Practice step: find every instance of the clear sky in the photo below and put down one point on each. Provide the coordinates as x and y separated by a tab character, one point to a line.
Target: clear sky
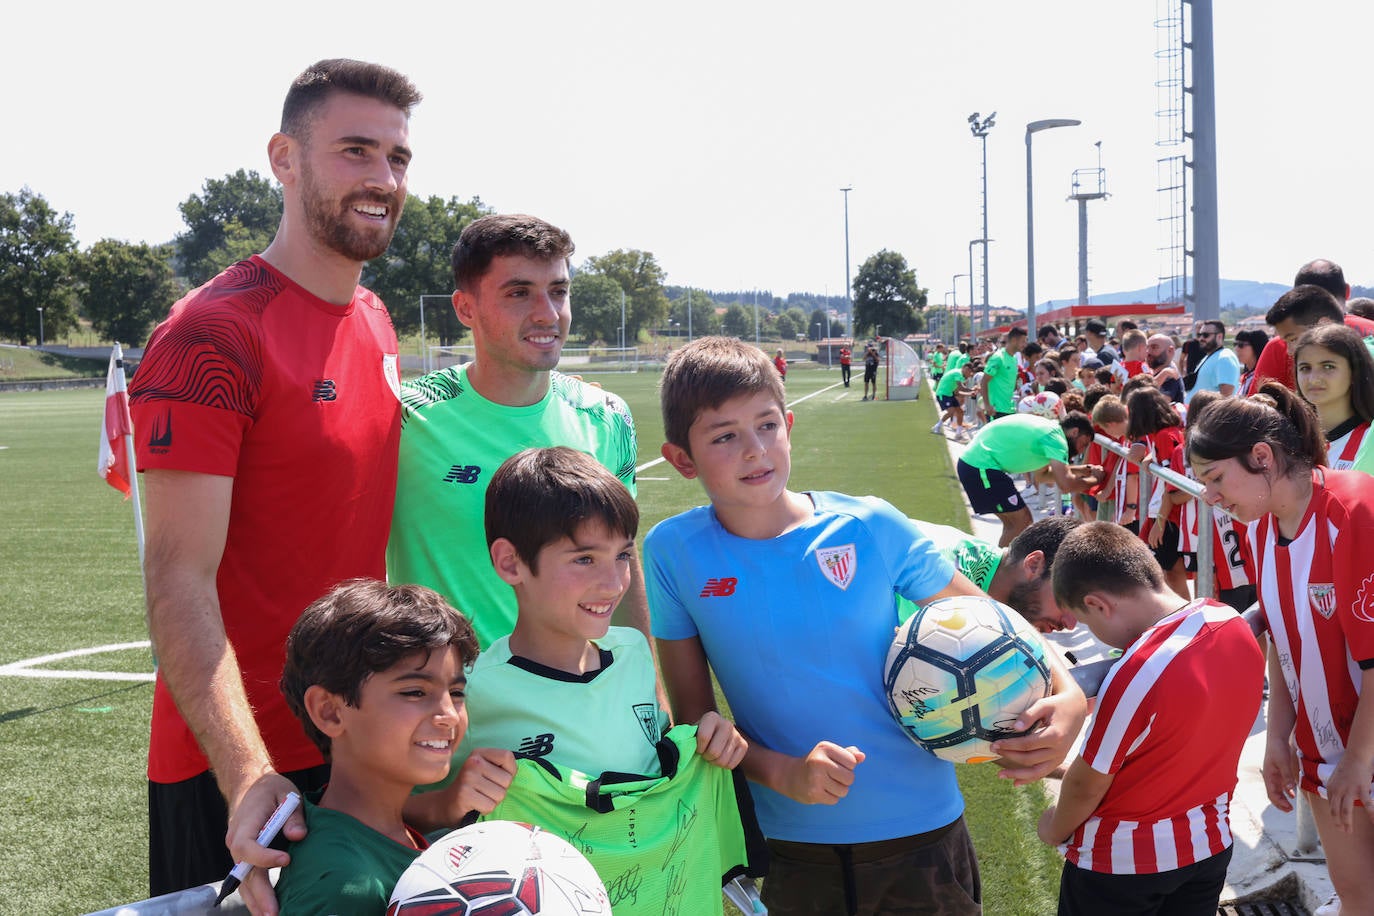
717	135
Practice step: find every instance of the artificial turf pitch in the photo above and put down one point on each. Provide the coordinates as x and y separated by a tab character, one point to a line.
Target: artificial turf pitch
73	833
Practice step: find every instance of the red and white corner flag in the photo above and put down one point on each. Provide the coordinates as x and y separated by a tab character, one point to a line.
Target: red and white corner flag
113	464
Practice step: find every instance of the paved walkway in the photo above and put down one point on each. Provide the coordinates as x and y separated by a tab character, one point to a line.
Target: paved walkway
1266	862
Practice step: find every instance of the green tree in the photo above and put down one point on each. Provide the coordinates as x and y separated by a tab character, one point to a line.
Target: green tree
419	261
128	288
787	328
37	249
596	308
704	318
233	217
638	274
886	294
948	328
819	326
736	322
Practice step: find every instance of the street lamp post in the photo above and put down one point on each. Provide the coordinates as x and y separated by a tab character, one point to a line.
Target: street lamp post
756	318
954	282
980	129
40	327
1031	128
987	310
848	302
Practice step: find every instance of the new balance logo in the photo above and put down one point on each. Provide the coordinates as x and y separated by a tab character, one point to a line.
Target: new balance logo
324	390
536	746
719	588
160	439
462	473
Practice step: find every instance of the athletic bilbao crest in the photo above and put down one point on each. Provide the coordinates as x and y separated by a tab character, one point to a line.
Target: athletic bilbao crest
647	714
838	564
1322	597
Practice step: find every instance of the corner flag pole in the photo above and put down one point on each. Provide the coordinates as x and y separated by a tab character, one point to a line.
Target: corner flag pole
116	462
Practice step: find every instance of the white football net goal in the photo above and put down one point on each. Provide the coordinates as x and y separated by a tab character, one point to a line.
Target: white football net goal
903	371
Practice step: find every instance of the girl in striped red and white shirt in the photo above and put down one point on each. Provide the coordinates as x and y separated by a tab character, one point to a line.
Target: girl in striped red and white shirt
1335	374
1231	568
1310	530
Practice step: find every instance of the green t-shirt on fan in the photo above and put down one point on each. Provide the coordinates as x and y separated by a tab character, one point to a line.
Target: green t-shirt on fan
1017	444
949	383
1001	371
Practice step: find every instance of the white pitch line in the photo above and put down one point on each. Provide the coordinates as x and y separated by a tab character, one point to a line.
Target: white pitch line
24	667
660	459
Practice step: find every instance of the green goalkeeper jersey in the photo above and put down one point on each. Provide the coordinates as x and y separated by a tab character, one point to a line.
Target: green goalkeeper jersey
452	442
675	838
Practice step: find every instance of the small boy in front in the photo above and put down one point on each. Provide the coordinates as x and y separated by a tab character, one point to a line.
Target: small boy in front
791	599
1142	816
567	686
376	675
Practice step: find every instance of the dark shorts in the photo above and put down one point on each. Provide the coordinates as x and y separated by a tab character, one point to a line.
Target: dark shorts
187	823
1239	598
1189	891
947	401
989	491
871	374
935	872
1167	553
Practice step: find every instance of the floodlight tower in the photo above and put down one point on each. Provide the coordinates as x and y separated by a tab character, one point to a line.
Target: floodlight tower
980	129
1088	184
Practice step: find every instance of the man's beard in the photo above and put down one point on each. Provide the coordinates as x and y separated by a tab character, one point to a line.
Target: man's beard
1025	598
331	226
1158	362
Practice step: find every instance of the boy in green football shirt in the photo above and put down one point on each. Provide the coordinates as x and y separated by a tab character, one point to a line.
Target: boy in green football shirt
376	676
576	698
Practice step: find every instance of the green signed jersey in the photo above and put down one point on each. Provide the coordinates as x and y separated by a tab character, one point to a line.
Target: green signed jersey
680	836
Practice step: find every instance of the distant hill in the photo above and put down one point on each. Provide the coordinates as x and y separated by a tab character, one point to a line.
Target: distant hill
1235	294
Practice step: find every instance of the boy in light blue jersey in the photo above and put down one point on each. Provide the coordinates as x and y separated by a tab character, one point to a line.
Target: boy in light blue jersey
791	599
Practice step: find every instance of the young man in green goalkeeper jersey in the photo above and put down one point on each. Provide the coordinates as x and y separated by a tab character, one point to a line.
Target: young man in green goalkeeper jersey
512	290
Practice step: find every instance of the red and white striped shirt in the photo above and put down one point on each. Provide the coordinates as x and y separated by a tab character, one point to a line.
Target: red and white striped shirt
1342	450
1165	450
1228	543
1174	757
1317	593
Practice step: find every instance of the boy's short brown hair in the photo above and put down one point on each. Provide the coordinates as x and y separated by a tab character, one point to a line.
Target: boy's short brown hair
1132	339
359	628
542	495
503	235
1103	557
705	374
1108	409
